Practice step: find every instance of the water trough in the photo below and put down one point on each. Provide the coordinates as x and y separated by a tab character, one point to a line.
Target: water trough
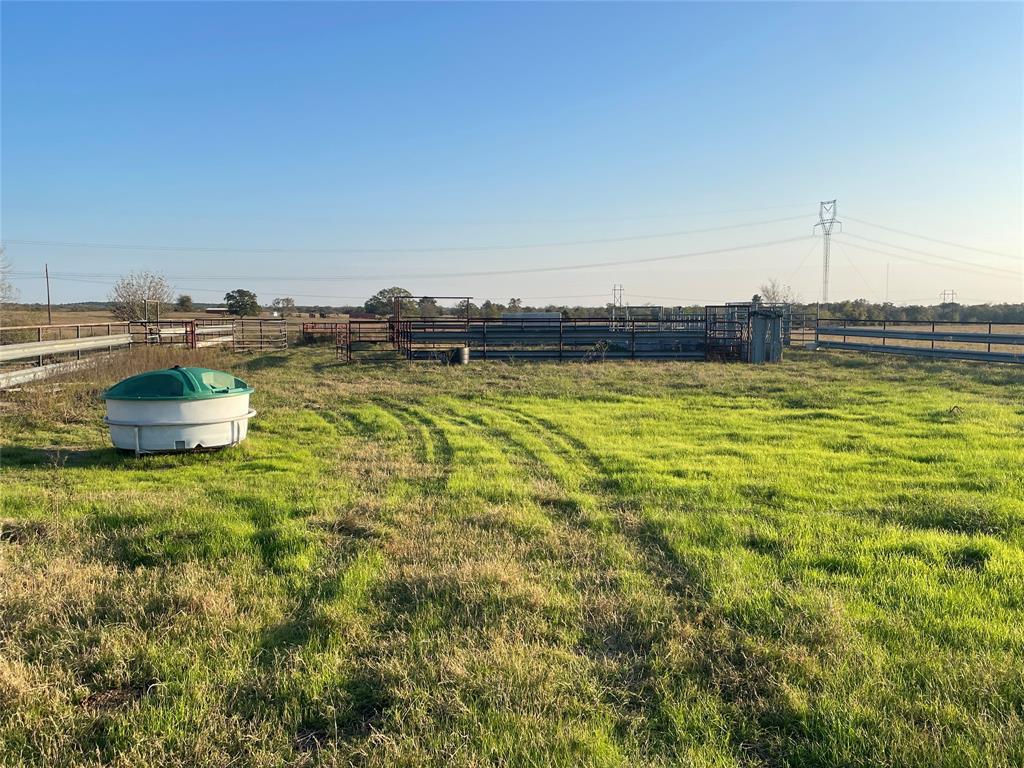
178	409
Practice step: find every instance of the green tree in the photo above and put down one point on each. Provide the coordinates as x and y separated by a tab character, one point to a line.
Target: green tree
184	303
515	305
466	306
428	307
490	309
242	302
383	301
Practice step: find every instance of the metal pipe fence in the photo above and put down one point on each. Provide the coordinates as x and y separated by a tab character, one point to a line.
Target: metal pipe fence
258	335
50	349
554	338
948	339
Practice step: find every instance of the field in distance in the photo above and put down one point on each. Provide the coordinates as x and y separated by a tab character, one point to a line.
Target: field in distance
653	564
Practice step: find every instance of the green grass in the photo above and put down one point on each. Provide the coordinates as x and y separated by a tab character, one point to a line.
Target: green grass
817	563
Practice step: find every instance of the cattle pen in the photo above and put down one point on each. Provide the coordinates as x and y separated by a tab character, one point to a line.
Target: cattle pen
738	332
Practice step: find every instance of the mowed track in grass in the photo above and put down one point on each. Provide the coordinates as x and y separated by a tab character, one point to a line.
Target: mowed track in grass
817	563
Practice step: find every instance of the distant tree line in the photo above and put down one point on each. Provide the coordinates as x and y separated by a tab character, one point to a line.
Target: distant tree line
383	302
130	295
861	309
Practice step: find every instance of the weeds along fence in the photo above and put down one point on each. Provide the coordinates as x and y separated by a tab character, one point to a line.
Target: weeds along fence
952	340
28	353
35	352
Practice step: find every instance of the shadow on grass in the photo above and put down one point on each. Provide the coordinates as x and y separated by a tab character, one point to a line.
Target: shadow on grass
117	458
321	367
22	456
266	361
354	699
386	361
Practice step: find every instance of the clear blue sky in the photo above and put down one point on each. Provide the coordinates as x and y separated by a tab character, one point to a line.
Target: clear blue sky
330	126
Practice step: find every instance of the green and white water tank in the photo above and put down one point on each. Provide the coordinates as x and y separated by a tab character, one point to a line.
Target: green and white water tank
178	409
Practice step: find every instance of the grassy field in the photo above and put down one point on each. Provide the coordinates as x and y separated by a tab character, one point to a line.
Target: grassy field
817	563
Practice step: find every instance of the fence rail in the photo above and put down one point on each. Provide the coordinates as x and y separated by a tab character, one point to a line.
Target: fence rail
41	349
260	335
989	342
25	375
48	346
718	333
555	339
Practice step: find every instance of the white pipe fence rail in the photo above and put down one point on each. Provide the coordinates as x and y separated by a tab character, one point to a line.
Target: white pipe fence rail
37	349
983	342
49	349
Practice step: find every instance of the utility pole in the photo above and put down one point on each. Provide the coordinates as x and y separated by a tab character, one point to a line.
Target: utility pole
887	265
948	296
826	220
49	310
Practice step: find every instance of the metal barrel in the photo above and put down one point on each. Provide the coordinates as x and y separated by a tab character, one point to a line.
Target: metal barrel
460	356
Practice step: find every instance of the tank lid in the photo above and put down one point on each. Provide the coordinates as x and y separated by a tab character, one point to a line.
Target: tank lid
178	383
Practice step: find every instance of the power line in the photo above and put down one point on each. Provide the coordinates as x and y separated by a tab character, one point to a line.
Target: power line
653	217
921	261
934	239
801	264
857	270
973	264
358	298
108	283
477	273
668	298
93	281
431	249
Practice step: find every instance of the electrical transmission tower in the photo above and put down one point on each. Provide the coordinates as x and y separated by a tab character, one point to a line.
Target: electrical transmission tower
826	220
617	292
948	296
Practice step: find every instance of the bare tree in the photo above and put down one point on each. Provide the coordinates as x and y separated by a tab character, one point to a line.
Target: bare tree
774	292
130	293
8	293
